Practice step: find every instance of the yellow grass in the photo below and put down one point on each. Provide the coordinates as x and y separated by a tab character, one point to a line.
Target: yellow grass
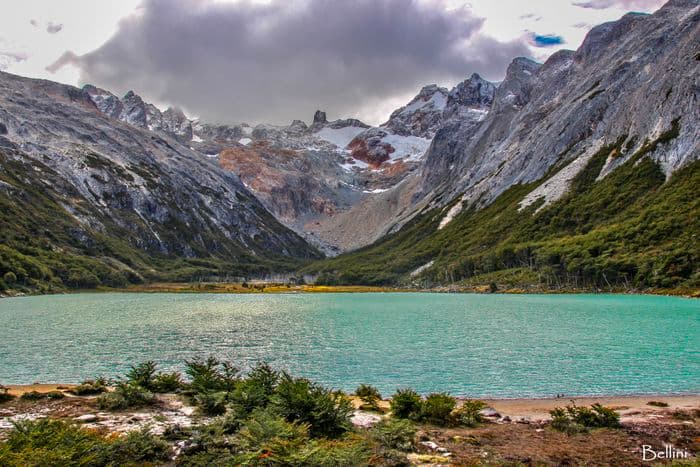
229	287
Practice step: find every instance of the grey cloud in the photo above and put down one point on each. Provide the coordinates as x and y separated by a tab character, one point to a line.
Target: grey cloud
278	61
53	28
636	5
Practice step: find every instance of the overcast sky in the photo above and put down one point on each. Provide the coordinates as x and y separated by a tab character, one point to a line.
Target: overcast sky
276	60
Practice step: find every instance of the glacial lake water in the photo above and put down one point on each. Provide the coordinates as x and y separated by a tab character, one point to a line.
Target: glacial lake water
471	345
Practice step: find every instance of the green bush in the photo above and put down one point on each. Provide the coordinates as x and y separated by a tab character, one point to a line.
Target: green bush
406	403
138	447
57	443
167	382
468	414
55	395
9	278
211	403
142	374
574	419
32	396
211	375
369	395
51	442
146	376
327	412
255	391
394	433
437	407
90	387
125	396
5	395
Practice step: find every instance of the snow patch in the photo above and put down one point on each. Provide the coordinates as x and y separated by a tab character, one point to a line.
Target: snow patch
451	214
197	139
247	130
420	269
341	137
408	148
437	101
245	141
554	188
348	166
376	190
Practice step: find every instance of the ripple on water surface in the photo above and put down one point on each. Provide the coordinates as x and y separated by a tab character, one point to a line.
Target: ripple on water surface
478	345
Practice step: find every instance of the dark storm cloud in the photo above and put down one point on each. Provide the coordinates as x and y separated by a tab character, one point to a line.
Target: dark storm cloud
278	61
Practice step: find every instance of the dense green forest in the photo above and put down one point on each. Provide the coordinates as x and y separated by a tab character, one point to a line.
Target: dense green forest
631	229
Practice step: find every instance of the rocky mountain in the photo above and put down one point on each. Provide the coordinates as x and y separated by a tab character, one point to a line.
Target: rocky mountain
89	199
583	171
579	170
314	178
630	80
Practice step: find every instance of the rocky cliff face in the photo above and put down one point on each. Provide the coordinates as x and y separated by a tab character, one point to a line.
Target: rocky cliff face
143	188
582	174
632	80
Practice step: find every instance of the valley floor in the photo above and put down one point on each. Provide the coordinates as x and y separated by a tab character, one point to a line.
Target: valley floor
277	288
518	433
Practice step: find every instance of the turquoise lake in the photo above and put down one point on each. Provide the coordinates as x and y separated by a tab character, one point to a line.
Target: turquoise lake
470	345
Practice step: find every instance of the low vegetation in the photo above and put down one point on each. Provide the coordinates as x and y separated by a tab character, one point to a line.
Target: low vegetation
573	419
259	417
369	395
51	442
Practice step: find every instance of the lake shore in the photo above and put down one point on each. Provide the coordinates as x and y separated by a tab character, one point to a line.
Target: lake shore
630	407
513	431
278	288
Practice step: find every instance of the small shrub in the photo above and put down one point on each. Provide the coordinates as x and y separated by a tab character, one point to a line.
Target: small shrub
53	442
573	419
90	387
369	395
406	403
255	391
211	403
657	404
138	447
9	278
5	395
395	433
124	396
326	412
267	434
437	408
142	374
55	395
211	375
167	382
468	414
346	452
32	396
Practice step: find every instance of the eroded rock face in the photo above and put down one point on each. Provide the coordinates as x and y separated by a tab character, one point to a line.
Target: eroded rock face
632	79
121	179
422	116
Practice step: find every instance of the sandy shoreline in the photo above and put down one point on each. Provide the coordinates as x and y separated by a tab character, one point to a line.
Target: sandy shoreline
631	408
